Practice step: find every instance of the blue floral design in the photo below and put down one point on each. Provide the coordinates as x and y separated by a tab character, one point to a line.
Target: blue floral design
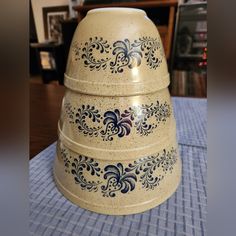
70	111
90	61
117	180
121	54
115	125
91	113
78	166
117	177
126	55
162	112
152	45
146	166
66	160
141	114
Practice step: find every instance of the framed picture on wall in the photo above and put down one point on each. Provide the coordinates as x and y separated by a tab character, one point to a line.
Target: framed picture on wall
52	17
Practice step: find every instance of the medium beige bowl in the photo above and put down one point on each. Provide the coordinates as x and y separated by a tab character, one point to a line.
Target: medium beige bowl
117	152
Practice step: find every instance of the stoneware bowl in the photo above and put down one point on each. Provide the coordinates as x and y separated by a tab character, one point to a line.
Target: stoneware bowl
117	152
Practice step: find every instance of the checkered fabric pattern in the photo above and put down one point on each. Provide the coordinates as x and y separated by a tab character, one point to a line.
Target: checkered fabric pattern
182	214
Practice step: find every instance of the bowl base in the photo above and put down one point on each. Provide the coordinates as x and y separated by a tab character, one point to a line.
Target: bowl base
112	210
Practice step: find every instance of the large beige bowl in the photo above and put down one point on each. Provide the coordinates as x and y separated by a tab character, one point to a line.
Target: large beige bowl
117	152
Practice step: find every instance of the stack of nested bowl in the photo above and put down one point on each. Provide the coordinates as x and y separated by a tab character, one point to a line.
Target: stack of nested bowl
117	152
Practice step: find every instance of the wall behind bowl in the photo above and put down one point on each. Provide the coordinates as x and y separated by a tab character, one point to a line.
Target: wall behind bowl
37	6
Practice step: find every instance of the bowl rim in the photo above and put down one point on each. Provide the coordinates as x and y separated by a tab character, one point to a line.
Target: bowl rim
116	10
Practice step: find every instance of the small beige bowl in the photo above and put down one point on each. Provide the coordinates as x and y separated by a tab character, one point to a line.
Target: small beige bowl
117	152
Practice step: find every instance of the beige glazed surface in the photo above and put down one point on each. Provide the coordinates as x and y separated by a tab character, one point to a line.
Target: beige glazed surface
117	152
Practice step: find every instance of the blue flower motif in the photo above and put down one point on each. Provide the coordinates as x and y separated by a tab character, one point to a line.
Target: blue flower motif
84	112
146	166
117	180
126	55
116	122
77	170
115	125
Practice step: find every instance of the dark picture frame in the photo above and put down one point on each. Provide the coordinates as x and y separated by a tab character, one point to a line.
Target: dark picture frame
51	20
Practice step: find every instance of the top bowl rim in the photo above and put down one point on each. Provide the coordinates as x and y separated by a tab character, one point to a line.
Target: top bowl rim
116	9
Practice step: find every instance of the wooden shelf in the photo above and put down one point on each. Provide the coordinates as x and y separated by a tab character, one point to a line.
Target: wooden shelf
166	31
143	5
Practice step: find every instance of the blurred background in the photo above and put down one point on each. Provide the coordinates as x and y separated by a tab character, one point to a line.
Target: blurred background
182	25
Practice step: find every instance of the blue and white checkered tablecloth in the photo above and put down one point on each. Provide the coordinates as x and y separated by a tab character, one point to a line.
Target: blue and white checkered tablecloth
182	214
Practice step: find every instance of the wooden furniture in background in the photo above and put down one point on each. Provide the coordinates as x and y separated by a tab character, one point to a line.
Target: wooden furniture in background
189	58
45	107
166	28
56	62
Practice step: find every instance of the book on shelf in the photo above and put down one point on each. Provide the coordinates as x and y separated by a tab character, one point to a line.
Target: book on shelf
47	61
182	83
188	83
197	84
179	82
